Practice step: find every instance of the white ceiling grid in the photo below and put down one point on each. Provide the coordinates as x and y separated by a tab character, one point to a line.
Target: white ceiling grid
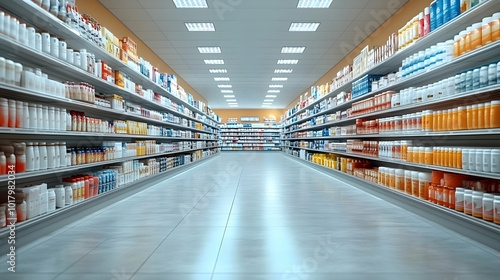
251	35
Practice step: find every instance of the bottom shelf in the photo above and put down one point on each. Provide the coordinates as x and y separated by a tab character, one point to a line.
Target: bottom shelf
476	229
252	149
45	220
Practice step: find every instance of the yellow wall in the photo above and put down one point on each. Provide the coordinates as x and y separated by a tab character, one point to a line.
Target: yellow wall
108	20
377	38
261	113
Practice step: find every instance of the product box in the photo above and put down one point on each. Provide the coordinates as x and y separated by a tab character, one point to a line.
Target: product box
172	84
129	46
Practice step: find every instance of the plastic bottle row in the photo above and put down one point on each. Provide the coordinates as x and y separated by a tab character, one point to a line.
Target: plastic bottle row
36	200
480	197
427	59
477	35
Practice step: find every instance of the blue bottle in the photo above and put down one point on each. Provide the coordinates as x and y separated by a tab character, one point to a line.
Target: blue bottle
433	16
454	9
439	13
446	11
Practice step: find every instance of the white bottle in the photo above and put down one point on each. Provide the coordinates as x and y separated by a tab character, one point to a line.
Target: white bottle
9	72
2	70
30	32
479	160
22	36
51	118
63	52
63	120
57	158
54	46
26	115
57	118
52	200
30	157
62	154
18	70
38	42
46	42
45	112
68	195
43	156
60	196
36	156
83	59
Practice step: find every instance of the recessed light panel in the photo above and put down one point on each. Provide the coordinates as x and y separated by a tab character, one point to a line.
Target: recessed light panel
232	103
268	100
231	100
276	86
304	26
273	91
200	26
293	49
314	3
190	3
226	91
233	106
283	71
275	79
214	61
266	104
271	96
222	79
288	61
228	96
209	49
225	86
218	71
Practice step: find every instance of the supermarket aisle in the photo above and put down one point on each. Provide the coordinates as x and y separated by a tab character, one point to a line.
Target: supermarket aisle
253	216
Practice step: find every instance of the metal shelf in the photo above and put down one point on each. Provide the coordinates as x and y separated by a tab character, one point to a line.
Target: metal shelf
477	132
445	32
68	71
25	175
20	93
47	133
476	95
477	229
35	15
411	164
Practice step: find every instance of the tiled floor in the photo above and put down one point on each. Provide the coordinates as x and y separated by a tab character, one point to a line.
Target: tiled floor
253	216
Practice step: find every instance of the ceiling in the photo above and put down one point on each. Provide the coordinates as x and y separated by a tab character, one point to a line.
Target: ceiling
251	35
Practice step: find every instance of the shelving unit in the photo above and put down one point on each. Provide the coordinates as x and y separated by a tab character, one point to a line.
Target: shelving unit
250	137
319	130
445	32
191	124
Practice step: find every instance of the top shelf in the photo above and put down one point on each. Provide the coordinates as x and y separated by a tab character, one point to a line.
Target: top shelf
445	32
29	12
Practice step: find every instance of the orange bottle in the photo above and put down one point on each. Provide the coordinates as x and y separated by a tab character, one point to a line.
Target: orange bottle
455	158
449	123
469	117
475	117
409	156
468	39
480	116
428	159
476	36
459	158
487	109
434	156
435	121
421	155
495	114
462	42
439	120
486	30
462	118
454	119
495	27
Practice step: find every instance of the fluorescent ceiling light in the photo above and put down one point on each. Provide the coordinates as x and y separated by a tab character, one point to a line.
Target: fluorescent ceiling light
266	104
279	79
190	3
314	3
273	91
283	71
228	96
268	100
288	61
304	26
209	49
225	86
221	79
271	96
232	103
226	91
276	86
200	26
231	100
218	71
293	49
234	106
214	61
